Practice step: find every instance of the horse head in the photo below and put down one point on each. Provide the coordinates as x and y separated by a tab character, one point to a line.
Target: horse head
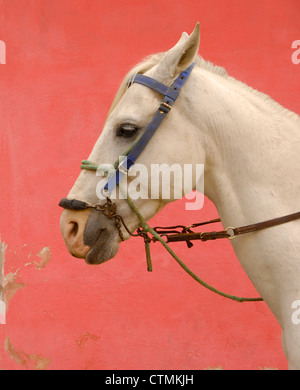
91	235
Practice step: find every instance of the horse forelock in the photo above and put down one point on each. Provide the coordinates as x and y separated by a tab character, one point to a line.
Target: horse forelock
141	68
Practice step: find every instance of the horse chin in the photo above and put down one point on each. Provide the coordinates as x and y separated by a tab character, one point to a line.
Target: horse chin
101	235
96	256
105	248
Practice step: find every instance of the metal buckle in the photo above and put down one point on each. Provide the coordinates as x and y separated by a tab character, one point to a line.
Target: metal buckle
231	233
166	105
123	169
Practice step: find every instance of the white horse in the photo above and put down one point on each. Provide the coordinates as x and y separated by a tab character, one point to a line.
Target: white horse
250	148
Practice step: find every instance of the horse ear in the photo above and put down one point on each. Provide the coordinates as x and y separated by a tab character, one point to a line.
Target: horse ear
180	56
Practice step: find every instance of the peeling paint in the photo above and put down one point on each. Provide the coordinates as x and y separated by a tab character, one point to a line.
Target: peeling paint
11	286
45	256
85	337
2	261
29	361
8	283
2	302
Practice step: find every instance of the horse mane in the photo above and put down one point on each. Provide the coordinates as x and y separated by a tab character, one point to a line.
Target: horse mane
152	60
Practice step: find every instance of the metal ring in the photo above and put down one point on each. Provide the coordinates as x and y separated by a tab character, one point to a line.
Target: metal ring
105	192
231	236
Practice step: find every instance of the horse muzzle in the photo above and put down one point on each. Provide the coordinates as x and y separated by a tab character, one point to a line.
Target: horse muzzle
72	226
88	234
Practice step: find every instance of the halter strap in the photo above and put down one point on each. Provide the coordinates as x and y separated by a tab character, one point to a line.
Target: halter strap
170	92
170	95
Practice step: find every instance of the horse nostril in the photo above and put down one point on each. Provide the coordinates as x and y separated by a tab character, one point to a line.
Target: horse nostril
74	229
72	225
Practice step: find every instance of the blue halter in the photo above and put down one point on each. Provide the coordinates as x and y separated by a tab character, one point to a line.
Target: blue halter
170	95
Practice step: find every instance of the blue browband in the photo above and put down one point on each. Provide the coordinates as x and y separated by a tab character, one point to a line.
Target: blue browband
170	95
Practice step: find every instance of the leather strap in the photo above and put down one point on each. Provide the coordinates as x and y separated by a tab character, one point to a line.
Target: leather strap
266	224
157	86
170	95
231	232
72	204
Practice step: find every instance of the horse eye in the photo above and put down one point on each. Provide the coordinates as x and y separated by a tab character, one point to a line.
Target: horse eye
127	130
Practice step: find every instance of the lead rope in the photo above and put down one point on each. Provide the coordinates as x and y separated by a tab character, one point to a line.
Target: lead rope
146	229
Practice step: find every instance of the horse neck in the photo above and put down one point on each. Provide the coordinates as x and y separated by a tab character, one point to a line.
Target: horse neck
252	162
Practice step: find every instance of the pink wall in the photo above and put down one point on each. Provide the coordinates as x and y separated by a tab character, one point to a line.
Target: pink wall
64	62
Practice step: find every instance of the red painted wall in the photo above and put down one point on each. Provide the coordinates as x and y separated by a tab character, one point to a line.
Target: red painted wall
64	62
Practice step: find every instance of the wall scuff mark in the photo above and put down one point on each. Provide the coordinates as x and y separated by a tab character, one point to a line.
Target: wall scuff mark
45	256
29	361
2	300
11	286
85	337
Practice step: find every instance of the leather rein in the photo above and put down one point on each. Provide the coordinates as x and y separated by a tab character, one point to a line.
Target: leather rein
167	234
